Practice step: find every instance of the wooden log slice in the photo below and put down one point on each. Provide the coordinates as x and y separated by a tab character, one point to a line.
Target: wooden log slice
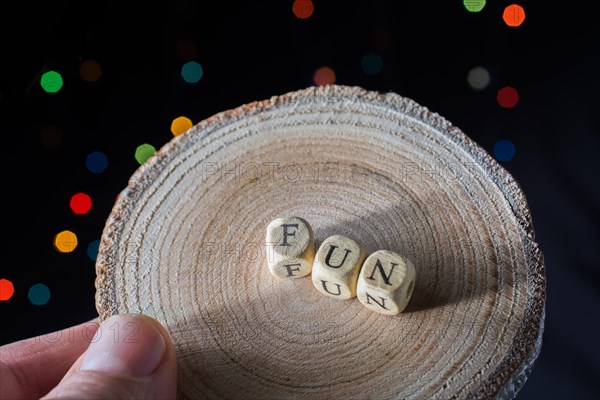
185	243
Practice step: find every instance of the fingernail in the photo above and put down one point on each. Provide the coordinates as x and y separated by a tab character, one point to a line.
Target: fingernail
128	344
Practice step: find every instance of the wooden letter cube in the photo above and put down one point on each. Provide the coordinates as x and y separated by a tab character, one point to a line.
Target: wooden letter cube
336	267
386	282
290	247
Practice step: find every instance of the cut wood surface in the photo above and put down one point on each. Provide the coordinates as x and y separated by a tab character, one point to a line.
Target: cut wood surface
185	243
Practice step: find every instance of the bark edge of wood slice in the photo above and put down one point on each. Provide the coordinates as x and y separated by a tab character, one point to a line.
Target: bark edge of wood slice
184	243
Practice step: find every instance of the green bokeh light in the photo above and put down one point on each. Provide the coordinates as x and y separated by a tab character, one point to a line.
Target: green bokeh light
51	82
474	5
144	152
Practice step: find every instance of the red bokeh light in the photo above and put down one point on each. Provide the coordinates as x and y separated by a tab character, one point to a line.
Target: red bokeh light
6	289
303	9
508	97
81	203
324	76
513	15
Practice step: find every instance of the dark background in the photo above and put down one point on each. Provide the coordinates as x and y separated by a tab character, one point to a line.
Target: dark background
253	50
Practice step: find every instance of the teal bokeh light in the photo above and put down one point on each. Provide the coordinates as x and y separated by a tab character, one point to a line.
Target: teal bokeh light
191	72
39	294
372	64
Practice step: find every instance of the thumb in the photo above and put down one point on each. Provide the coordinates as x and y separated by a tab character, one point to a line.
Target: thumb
131	357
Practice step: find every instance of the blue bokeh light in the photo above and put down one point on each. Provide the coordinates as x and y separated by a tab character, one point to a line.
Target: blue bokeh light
504	150
96	162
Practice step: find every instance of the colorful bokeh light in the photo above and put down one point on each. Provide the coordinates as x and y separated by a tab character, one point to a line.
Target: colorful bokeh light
51	136
143	152
324	76
303	9
514	15
7	289
191	72
372	64
90	71
80	203
51	81
39	294
474	5
504	150
65	242
478	78
507	97
96	162
180	125
92	250
186	49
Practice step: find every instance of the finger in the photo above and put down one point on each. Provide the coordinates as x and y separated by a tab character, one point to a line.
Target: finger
132	358
31	367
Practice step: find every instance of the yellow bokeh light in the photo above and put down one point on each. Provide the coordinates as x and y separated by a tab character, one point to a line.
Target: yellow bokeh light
65	241
180	125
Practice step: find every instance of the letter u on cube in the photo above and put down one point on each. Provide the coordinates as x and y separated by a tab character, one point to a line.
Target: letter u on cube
337	265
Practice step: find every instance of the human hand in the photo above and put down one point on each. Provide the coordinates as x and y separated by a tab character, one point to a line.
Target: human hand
129	356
